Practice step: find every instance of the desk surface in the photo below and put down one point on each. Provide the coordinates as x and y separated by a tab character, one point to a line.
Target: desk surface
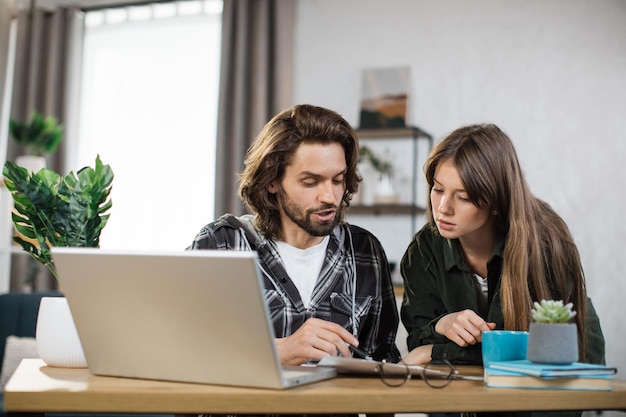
36	387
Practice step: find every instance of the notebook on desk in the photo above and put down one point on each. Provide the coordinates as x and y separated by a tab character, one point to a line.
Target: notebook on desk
189	316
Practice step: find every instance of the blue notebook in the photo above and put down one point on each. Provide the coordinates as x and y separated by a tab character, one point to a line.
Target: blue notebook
495	378
576	369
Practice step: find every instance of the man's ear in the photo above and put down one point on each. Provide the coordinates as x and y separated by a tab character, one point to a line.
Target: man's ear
273	187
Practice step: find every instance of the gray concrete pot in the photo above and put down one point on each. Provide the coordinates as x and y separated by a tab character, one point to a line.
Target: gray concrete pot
552	343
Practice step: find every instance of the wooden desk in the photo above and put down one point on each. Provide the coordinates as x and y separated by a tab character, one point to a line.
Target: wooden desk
36	388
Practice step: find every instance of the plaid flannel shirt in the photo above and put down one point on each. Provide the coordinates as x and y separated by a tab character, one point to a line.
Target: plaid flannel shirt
333	299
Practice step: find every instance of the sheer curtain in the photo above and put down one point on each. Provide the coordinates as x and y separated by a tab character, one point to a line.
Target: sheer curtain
148	107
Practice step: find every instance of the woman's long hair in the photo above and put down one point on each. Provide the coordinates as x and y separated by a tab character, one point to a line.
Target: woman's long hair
541	260
274	148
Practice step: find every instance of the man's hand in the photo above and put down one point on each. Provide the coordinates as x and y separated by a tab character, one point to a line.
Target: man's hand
315	339
463	328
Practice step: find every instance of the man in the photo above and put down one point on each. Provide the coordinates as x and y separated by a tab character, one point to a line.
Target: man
327	283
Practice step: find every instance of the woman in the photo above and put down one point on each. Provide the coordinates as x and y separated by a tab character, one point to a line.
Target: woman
489	250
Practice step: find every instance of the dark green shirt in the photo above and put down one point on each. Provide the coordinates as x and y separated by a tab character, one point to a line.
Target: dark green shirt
437	281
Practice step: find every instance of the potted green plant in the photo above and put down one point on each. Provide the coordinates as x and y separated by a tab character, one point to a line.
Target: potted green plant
378	189
552	337
381	166
54	210
39	136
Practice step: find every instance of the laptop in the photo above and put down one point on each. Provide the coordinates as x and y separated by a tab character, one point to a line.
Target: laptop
190	316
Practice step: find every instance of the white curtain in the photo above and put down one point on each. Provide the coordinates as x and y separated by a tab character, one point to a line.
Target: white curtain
148	108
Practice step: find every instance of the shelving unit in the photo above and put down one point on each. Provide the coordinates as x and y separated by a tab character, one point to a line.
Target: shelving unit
393	223
379	209
412	207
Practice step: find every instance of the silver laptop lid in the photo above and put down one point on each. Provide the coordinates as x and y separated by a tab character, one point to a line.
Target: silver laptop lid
194	316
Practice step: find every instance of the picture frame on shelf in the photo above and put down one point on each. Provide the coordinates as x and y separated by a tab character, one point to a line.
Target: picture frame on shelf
384	98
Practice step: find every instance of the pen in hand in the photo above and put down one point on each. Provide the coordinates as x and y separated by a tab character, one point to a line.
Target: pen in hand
359	353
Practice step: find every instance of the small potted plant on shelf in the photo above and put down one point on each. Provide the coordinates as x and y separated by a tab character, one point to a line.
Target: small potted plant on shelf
552	337
381	166
39	136
54	210
382	186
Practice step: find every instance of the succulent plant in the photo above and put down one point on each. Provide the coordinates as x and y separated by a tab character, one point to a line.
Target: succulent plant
552	311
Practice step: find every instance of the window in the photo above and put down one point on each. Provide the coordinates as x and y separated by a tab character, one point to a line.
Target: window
148	107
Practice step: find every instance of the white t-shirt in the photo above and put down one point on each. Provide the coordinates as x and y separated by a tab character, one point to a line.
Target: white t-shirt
303	266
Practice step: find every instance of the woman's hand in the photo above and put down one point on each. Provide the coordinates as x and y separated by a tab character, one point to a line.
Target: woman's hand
419	355
315	339
463	328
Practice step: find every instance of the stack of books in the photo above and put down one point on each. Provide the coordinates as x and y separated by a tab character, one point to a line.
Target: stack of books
527	374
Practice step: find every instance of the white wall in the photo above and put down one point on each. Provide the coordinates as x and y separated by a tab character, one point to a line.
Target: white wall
552	74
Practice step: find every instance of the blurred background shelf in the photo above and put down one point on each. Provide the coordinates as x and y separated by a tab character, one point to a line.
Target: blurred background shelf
385	209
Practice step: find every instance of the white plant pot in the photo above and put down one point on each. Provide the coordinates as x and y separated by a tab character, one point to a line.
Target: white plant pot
57	338
552	343
367	188
31	162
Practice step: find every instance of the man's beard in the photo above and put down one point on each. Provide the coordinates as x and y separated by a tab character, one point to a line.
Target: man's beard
303	217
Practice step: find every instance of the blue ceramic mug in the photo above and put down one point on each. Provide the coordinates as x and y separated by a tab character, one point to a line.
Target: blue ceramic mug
504	345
